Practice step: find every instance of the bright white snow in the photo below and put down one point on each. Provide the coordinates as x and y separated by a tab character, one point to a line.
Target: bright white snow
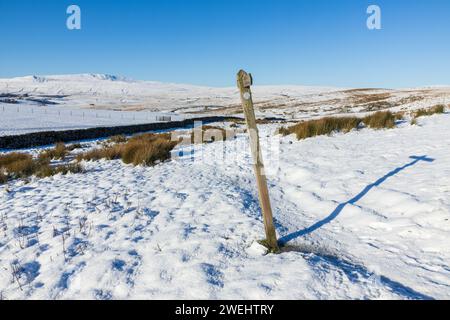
364	215
26	118
64	102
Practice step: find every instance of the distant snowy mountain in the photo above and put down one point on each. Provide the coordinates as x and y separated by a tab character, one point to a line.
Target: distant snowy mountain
69	77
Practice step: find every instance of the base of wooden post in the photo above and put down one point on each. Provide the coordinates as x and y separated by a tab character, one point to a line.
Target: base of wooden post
272	248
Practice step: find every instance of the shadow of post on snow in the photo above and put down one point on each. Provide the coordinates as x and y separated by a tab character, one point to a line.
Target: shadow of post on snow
416	159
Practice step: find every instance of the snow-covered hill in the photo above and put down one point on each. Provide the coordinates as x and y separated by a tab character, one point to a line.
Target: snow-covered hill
101	91
112	92
42	103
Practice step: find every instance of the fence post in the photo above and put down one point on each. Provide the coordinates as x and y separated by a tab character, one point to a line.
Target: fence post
245	81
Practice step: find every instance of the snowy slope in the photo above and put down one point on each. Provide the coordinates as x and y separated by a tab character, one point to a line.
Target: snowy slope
113	92
21	119
361	218
44	103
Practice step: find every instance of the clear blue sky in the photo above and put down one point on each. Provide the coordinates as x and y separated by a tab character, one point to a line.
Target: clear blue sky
308	42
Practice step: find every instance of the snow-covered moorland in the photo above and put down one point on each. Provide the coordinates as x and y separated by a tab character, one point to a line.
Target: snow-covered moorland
364	215
64	102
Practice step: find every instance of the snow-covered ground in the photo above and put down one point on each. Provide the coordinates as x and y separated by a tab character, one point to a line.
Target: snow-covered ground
37	103
364	215
25	118
101	91
65	102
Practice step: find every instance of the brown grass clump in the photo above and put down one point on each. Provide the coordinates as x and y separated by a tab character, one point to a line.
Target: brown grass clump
208	134
147	152
150	137
3	178
284	131
107	152
48	171
328	125
58	153
118	139
17	165
438	109
146	149
131	149
399	115
380	120
68	168
324	126
9	158
22	165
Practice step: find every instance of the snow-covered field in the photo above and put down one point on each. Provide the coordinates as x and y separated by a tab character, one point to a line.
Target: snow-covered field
109	92
364	215
21	119
42	103
26	118
46	103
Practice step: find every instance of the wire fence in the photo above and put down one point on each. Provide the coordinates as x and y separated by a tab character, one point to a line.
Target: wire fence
67	114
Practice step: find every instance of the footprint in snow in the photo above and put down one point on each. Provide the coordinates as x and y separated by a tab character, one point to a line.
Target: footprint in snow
213	275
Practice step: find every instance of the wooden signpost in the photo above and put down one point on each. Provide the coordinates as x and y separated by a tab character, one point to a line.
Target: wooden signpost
245	81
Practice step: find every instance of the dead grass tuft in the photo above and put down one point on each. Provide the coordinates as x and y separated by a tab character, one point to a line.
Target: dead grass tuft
3	178
380	120
324	126
147	153
329	125
48	171
68	168
146	149
208	134
438	109
17	165
12	157
118	139
22	165
106	152
59	152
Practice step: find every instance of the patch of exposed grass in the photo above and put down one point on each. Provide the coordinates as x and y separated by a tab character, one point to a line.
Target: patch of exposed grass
48	171
10	158
208	134
329	125
438	109
324	126
118	139
59	152
147	153
380	120
3	178
284	131
68	168
146	149
106	152
22	165
17	165
377	120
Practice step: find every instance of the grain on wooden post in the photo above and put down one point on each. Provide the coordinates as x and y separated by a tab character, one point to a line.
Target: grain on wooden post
245	81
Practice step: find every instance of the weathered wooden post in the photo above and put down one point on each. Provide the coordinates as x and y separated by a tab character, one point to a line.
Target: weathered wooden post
245	81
